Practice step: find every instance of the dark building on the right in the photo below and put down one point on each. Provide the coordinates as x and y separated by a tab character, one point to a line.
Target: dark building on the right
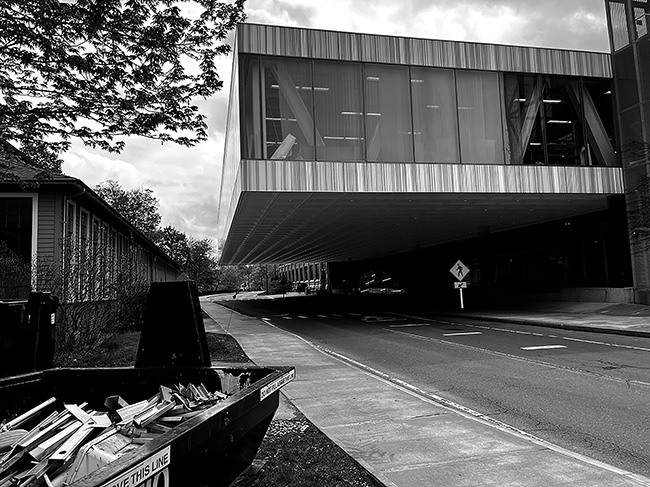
630	45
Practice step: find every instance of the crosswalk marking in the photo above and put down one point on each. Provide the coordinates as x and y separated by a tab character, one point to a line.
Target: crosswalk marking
544	347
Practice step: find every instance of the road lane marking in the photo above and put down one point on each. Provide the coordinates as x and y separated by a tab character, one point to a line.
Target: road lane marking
337	315
409	324
322	316
458	408
494	328
642	349
303	317
522	358
462	333
286	317
543	347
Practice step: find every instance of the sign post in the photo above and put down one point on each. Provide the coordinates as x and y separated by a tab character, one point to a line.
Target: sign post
460	272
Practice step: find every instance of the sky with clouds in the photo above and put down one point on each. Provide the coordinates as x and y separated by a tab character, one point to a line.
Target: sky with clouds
186	180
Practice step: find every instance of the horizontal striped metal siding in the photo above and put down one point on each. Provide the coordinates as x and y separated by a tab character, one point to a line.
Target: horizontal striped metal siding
318	44
427	178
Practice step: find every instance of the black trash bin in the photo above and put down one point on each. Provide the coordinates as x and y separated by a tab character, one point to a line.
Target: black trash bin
173	333
27	333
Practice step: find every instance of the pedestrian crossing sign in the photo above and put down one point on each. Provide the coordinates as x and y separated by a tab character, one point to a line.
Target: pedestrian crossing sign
459	270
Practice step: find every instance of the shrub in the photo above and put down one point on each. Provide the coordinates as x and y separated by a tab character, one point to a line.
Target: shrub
101	293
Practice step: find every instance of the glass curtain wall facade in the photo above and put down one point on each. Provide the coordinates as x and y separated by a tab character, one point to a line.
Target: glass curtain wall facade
630	44
628	23
302	109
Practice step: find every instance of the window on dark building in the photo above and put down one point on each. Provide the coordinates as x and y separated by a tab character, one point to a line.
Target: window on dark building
626	78
288	109
479	117
620	33
523	100
562	116
338	110
251	108
16	225
389	136
435	117
641	11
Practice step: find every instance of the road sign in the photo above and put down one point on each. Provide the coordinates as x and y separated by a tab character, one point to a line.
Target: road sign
460	285
459	270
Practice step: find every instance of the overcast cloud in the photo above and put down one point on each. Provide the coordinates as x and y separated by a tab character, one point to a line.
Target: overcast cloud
186	180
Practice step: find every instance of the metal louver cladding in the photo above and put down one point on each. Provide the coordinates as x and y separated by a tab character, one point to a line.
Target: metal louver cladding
346	46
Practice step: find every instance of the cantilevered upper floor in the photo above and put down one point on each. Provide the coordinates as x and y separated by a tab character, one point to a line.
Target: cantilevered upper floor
344	146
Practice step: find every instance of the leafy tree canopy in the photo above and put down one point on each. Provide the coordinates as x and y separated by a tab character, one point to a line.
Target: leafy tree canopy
174	243
139	206
99	70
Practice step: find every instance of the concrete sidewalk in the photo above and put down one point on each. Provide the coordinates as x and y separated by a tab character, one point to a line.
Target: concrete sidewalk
405	437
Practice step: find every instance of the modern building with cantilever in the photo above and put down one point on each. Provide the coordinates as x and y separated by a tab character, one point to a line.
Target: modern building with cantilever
362	152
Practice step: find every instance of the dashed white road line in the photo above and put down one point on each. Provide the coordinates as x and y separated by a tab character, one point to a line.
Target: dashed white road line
543	347
494	328
462	333
322	316
409	324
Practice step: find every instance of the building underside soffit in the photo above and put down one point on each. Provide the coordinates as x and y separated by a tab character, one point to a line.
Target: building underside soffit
282	227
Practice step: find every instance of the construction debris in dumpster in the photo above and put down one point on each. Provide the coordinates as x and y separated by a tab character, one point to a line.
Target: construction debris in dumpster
72	442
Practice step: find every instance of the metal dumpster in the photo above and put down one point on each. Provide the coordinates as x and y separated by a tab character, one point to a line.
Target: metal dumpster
209	449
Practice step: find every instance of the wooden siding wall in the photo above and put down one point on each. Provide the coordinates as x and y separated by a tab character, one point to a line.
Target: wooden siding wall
47	238
345	46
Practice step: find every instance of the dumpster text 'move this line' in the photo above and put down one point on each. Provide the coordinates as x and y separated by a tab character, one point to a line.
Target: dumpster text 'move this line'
148	473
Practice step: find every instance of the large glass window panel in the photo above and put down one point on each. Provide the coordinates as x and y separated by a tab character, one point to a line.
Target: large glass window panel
479	117
251	108
641	11
625	75
338	103
632	134
435	122
599	122
523	101
563	122
388	114
643	46
620	34
288	109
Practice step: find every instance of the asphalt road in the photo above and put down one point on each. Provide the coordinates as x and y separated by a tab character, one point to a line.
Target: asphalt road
587	392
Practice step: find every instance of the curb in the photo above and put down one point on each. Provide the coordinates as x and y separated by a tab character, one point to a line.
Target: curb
555	324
